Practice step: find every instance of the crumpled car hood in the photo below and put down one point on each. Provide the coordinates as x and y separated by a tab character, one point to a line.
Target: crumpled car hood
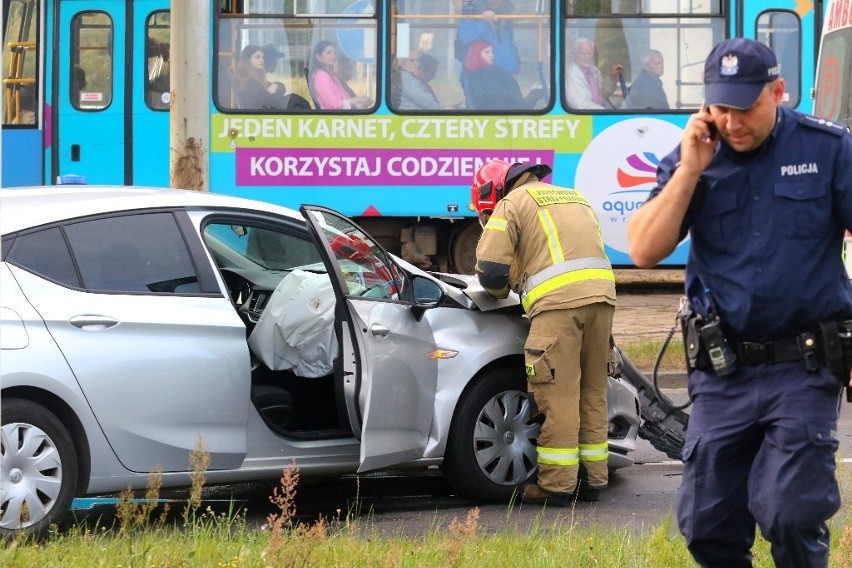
467	290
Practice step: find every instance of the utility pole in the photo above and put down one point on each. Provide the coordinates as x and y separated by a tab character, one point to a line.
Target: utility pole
189	126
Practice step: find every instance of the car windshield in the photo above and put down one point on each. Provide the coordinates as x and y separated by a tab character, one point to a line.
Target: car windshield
254	247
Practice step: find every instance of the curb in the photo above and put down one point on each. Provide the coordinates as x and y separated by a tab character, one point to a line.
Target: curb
667	379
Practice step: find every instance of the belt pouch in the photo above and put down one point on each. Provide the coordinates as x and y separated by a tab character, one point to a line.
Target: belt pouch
834	354
831	348
696	358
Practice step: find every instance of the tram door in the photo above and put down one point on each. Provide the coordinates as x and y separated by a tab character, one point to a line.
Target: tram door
791	30
102	93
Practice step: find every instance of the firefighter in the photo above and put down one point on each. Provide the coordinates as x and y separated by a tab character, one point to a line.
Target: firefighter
544	243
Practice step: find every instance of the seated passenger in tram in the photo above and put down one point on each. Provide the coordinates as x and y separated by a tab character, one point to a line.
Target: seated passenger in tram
488	86
254	91
489	27
410	88
584	83
647	92
327	88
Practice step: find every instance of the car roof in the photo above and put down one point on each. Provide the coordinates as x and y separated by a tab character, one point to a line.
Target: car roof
23	208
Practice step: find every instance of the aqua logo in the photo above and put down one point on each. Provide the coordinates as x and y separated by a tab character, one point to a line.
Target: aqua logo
618	170
640	170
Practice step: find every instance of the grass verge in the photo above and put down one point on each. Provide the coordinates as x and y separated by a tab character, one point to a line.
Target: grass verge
141	537
645	352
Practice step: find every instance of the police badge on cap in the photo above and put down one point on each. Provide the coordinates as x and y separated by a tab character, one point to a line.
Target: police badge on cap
736	71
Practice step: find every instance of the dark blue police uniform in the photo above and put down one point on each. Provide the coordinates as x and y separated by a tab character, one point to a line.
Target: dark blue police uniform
766	246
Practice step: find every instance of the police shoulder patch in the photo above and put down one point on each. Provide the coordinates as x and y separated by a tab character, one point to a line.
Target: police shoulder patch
822	124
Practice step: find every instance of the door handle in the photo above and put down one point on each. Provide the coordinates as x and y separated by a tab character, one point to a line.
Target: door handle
93	323
379	330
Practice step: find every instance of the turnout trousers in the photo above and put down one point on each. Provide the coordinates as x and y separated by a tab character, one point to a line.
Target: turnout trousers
566	354
760	450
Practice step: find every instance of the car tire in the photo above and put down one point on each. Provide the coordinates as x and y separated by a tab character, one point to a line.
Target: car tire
491	448
34	493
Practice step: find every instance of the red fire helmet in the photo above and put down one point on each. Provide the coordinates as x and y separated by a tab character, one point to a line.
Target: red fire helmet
494	180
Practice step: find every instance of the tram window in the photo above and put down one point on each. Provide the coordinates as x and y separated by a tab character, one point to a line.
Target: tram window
284	37
440	59
641	7
605	58
156	80
20	93
781	30
91	75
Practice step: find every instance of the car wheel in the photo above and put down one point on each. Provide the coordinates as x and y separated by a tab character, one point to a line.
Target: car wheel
491	449
38	469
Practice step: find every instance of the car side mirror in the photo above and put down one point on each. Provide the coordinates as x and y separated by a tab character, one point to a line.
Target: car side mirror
427	294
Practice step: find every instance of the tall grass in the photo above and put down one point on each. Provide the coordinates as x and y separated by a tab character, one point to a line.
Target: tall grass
645	352
141	536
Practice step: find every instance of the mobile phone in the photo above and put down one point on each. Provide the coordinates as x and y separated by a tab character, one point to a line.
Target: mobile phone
714	132
711	126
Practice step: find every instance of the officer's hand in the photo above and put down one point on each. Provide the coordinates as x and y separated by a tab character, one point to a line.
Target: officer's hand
698	142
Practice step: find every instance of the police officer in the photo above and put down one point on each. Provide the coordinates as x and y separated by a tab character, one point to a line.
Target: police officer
544	242
765	194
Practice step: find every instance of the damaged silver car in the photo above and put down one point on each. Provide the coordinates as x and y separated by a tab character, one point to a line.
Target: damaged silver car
137	323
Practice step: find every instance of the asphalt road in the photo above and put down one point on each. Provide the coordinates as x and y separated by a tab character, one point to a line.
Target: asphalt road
416	503
638	498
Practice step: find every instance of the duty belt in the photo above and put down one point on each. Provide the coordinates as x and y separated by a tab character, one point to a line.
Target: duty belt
798	348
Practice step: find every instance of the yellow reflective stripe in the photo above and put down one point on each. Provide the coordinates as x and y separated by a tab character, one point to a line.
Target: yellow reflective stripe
565	266
564	280
553	243
591	447
497	224
558	456
594	452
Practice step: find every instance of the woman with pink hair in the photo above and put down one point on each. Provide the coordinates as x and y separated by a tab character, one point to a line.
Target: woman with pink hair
488	86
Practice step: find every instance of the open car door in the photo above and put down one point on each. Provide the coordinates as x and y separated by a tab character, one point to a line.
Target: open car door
389	377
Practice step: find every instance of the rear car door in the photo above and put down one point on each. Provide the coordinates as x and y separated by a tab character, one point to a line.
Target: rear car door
157	349
389	377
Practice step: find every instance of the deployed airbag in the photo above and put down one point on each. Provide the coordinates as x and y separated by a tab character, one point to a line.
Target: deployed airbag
296	329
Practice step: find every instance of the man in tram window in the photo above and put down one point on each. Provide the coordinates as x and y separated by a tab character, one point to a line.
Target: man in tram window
647	92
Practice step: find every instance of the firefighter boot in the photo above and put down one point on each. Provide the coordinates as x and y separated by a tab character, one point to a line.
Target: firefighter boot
585	491
535	495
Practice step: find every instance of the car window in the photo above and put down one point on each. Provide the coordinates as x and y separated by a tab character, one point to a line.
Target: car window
133	253
366	268
247	247
46	254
